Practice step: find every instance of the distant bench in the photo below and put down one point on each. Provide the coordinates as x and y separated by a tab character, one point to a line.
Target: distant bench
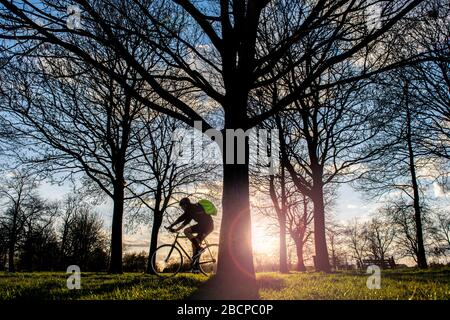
384	264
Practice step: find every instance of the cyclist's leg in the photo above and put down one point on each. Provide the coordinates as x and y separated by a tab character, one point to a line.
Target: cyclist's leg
200	237
202	232
189	232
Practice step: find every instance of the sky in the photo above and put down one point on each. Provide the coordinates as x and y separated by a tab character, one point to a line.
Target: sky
351	204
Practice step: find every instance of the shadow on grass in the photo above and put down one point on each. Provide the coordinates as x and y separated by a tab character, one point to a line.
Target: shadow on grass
100	287
221	288
271	283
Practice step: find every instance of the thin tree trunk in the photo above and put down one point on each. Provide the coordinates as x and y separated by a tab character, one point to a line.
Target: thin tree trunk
157	221
282	223
283	249
421	256
281	212
12	243
62	257
28	253
11	250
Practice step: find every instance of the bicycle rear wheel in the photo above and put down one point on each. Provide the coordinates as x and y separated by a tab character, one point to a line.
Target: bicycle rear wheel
167	261
208	260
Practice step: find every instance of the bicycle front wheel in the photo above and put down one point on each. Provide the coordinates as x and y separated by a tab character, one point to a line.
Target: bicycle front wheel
208	260
167	261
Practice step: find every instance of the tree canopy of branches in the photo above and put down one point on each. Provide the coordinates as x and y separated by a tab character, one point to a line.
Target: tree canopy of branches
221	53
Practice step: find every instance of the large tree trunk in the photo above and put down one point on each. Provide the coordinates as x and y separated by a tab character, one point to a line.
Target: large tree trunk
300	260
235	278
322	262
235	269
116	230
157	221
421	256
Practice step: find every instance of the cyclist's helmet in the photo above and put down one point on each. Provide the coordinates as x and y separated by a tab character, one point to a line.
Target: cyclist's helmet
184	202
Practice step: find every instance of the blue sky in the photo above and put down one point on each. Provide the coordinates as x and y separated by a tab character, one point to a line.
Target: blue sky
351	204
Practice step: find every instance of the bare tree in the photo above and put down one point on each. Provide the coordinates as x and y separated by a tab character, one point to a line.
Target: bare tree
336	242
3	246
74	120
20	203
157	174
430	82
400	214
38	245
418	100
224	41
299	217
291	210
357	240
441	232
381	235
325	138
398	168
82	238
280	204
286	209
70	206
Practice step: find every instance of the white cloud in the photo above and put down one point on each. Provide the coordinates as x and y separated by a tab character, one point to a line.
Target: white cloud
438	190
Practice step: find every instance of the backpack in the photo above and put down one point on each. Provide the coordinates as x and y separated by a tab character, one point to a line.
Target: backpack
208	207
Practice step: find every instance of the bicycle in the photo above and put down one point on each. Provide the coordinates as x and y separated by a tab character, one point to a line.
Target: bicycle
167	260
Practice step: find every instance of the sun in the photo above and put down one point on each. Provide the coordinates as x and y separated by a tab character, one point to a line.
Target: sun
263	243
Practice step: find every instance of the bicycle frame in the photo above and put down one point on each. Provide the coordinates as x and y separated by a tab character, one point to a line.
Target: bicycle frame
177	244
199	258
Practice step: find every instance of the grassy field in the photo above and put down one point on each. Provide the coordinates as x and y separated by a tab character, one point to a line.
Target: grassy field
97	286
405	284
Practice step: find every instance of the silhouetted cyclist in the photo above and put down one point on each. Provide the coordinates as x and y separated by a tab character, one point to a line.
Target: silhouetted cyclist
204	226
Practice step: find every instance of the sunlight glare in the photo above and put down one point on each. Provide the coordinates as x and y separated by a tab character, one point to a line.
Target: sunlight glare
263	242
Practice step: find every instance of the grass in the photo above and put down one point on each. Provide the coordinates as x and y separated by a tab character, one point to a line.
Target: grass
406	284
96	286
